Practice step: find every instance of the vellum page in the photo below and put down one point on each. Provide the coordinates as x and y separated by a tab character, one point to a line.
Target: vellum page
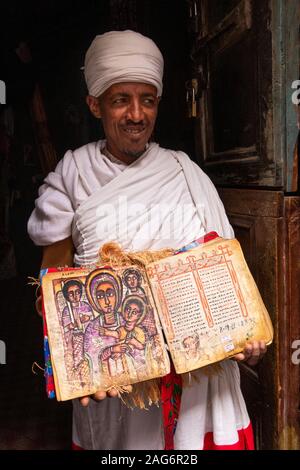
103	330
208	303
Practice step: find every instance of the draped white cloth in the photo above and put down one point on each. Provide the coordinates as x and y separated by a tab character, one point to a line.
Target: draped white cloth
161	200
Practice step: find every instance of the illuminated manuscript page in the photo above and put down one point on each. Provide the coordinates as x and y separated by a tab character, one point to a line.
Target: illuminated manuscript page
208	304
103	329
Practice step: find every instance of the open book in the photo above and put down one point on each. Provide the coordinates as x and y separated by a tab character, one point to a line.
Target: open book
108	326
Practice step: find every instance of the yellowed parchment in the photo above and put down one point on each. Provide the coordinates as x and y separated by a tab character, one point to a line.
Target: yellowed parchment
103	330
208	304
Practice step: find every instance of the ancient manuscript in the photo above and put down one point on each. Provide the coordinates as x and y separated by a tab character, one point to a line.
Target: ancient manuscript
104	325
102	330
208	304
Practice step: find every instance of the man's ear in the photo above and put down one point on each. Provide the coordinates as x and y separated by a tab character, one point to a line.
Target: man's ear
93	104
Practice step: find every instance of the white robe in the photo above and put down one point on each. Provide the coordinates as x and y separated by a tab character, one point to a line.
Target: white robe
161	200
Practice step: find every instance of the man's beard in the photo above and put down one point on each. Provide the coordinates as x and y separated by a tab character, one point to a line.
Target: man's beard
134	153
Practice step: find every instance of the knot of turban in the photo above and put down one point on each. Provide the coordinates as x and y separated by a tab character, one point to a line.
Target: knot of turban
122	56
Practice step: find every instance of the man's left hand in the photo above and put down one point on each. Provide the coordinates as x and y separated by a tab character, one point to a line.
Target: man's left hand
253	353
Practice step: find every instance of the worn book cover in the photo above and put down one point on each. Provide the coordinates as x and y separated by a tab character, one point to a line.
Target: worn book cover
104	325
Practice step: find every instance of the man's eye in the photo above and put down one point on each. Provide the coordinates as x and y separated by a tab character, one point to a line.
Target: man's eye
119	101
148	101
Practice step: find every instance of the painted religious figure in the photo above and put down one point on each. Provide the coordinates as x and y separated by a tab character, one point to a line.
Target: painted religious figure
104	291
110	336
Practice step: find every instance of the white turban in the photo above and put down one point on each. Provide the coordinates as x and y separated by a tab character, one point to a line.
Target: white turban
122	56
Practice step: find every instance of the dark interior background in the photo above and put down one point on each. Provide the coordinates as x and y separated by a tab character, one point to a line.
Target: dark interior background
43	43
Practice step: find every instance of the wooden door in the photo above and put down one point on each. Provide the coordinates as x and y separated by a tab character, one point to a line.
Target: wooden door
246	56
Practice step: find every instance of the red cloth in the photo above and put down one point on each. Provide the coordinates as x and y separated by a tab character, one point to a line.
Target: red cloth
171	389
245	442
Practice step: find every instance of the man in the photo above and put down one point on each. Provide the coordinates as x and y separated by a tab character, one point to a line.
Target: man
129	190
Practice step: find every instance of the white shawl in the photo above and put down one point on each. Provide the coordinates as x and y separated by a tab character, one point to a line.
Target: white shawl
161	200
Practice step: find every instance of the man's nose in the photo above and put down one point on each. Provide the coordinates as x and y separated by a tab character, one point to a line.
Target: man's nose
107	301
135	111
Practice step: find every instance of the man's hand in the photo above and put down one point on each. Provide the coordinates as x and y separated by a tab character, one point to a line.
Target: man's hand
253	353
100	395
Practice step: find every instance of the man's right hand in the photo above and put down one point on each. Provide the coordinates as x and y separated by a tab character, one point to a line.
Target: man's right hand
100	395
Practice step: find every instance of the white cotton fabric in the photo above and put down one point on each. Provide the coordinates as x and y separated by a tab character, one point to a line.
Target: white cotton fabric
212	404
122	56
82	198
94	199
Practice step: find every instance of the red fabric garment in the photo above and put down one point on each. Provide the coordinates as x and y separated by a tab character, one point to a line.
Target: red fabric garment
76	447
171	389
245	442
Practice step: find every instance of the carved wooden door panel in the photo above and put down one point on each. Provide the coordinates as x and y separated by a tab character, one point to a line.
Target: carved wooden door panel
246	57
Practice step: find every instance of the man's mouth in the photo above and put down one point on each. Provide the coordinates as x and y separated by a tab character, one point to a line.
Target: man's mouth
134	130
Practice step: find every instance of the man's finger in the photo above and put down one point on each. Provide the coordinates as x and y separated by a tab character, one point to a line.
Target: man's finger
112	393
248	350
84	401
239	357
263	347
255	349
100	395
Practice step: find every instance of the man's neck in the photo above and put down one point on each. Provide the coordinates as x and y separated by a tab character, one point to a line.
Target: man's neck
111	157
125	160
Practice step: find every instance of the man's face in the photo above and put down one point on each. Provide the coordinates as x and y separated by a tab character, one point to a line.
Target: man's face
128	112
106	297
73	294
